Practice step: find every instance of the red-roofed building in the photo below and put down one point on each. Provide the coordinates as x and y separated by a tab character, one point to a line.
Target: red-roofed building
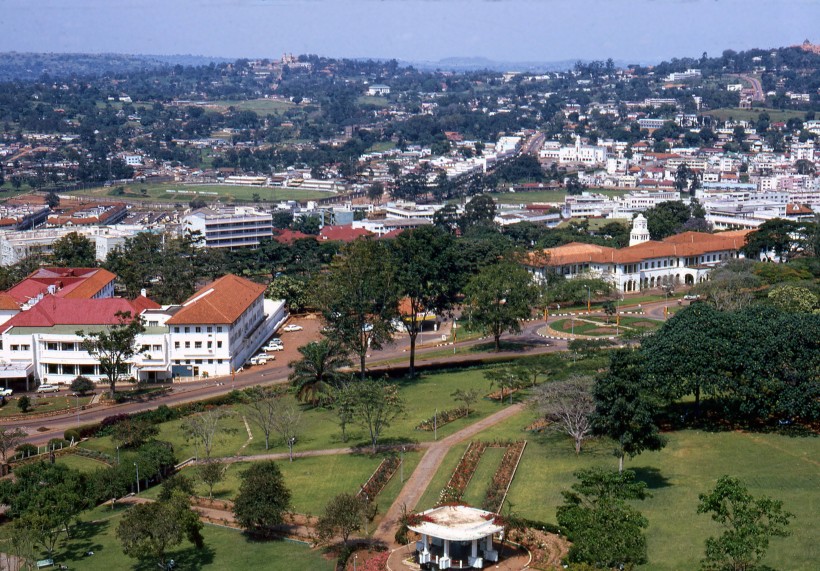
342	233
288	237
72	283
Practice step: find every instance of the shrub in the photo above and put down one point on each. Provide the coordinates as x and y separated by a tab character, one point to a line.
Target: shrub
82	385
24	404
25	450
72	434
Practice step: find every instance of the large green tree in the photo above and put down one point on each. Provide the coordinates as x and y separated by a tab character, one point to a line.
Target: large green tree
375	406
499	297
343	515
358	297
425	276
318	371
783	238
749	523
625	405
263	498
606	531
113	346
74	250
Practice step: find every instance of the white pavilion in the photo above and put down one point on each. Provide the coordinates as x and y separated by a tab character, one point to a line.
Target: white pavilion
456	537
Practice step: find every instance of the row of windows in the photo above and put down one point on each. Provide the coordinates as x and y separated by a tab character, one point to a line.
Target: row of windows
198	345
198	329
146	348
20	347
196	361
68	369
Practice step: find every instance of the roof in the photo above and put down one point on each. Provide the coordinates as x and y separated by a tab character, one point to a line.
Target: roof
70	283
8	302
223	301
679	245
457	523
52	311
342	233
289	236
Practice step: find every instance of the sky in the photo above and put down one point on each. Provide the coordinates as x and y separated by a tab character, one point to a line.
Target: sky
631	31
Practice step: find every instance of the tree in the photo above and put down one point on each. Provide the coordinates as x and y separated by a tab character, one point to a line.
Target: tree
133	433
504	378
74	250
260	409
666	218
343	515
499	297
788	297
574	185
344	405
609	309
111	483
624	407
479	211
375	406
211	473
318	371
375	192
358	298
605	531
82	385
295	291
147	531
286	420
424	265
205	429
52	200
749	524
568	406
24	404
467	397
10	438
778	236
113	346
263	498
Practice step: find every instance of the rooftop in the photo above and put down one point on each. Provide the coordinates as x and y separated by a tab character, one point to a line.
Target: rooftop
457	523
223	301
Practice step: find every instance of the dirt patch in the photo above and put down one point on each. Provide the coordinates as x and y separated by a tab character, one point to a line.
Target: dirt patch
547	549
644	324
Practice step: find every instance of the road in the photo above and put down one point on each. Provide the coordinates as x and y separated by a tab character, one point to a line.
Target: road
41	430
756	86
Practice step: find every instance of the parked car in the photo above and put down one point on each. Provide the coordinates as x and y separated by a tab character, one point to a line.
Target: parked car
47	389
274	347
6	392
691	297
260	359
292	327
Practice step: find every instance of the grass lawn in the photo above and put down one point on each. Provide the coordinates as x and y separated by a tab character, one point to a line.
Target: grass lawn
225	549
209	192
43	404
81	463
258	106
545	196
431	495
738	114
484	472
579	327
783	467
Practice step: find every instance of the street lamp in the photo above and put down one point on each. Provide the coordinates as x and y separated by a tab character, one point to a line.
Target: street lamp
118	455
291	442
138	476
402	464
589	299
77	396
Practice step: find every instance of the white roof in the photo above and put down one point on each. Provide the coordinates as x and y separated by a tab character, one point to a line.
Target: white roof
457	523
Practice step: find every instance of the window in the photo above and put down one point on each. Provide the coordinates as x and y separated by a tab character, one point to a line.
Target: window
210	329
176	329
219	344
187	344
68	346
197	330
15	347
177	362
197	344
25	347
187	361
156	347
219	361
87	370
145	348
219	329
210	344
53	369
52	346
198	362
153	324
210	361
187	330
176	344
69	369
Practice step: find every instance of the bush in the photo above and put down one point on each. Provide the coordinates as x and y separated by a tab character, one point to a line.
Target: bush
71	434
25	450
24	404
82	385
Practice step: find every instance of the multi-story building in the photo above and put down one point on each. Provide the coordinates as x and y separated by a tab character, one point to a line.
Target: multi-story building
230	227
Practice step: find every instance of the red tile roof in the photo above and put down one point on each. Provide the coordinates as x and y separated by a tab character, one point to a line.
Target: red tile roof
342	233
71	283
223	301
289	236
52	310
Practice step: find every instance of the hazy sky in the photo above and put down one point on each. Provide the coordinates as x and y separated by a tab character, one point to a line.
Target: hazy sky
502	30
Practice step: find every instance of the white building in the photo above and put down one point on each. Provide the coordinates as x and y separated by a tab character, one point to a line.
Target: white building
230	227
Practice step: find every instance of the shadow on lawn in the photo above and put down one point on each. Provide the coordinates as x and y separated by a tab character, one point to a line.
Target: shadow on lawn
652	477
75	549
184	559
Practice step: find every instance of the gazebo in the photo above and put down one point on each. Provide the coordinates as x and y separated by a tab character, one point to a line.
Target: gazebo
455	537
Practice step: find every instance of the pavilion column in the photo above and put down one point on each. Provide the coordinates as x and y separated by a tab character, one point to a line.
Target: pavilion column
424	542
474	551
446	548
489	542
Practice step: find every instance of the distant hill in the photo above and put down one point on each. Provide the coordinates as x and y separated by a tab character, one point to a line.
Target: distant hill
479	63
33	66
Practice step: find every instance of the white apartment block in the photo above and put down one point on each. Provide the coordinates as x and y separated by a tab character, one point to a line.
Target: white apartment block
230	227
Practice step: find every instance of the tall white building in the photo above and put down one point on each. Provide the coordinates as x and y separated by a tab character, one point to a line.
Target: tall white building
640	231
230	227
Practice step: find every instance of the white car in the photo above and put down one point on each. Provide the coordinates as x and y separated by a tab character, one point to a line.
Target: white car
260	359
47	389
291	327
691	297
274	347
6	392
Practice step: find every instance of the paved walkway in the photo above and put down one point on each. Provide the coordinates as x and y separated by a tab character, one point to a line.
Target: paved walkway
428	466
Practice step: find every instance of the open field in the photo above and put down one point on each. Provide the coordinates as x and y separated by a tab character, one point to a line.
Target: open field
738	114
224	549
545	196
258	106
783	467
43	404
184	193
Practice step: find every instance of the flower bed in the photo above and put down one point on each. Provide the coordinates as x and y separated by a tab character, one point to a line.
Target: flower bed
463	473
442	418
497	490
380	477
496	395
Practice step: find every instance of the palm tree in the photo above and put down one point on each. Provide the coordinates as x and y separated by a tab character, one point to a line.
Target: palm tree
317	372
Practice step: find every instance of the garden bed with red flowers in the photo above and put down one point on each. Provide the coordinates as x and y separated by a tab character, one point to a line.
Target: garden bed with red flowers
500	484
378	480
463	473
442	418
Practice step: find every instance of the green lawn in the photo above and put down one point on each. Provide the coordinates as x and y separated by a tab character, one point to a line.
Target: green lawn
484	472
431	495
581	327
738	114
208	192
81	463
258	106
225	549
43	404
786	468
